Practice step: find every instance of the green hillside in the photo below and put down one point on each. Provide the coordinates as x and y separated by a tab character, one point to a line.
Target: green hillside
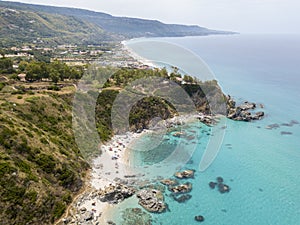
40	165
19	27
60	24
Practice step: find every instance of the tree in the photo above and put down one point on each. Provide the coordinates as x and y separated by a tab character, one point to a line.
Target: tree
33	71
6	65
54	76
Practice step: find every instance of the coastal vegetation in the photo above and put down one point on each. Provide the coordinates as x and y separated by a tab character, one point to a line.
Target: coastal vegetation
41	166
45	52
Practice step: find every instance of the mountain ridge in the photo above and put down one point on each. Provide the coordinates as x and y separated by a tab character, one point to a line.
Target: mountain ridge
119	28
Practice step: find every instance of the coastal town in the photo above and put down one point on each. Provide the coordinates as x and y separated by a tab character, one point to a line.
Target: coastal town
110	54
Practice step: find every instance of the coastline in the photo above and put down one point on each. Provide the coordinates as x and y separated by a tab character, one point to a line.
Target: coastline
105	172
108	169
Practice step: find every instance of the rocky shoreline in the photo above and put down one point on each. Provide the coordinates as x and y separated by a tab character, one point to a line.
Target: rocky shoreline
112	182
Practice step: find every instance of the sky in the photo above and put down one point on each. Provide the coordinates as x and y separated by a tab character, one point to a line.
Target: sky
244	16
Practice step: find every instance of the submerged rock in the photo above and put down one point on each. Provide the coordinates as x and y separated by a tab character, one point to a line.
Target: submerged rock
152	200
220	179
169	182
185	174
199	218
132	216
272	126
182	198
212	185
223	188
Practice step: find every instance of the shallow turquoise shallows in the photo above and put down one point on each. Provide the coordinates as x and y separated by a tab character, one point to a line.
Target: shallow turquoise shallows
261	166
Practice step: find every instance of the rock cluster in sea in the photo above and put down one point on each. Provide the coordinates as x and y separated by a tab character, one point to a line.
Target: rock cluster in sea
223	188
152	200
179	191
242	112
115	194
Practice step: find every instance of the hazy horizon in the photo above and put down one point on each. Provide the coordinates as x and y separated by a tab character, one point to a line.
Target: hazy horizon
243	16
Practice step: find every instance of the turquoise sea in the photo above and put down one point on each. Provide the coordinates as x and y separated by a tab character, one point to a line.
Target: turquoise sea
261	166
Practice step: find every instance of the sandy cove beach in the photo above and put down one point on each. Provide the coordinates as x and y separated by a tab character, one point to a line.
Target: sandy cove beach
111	165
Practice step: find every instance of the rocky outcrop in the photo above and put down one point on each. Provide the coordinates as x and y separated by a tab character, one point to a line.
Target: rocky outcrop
169	182
242	112
207	119
185	174
152	200
115	194
182	188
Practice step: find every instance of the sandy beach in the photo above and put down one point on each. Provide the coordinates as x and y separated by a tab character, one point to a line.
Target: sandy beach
112	165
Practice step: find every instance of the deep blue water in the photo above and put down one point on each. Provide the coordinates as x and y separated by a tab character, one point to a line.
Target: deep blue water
260	165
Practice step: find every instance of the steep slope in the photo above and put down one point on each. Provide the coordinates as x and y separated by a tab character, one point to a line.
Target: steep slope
41	168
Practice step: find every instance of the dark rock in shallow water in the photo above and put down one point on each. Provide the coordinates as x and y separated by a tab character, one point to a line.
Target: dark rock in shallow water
285	133
286	124
182	198
199	218
132	216
220	179
223	188
212	185
272	126
293	122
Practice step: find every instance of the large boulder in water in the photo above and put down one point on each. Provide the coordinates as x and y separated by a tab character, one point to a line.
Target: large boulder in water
152	200
182	188
185	174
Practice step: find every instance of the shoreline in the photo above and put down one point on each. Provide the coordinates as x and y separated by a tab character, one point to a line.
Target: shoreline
107	169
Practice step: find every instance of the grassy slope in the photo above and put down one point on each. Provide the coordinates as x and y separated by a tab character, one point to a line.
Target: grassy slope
40	166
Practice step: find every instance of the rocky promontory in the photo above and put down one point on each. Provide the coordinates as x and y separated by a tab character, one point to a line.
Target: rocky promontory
243	111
